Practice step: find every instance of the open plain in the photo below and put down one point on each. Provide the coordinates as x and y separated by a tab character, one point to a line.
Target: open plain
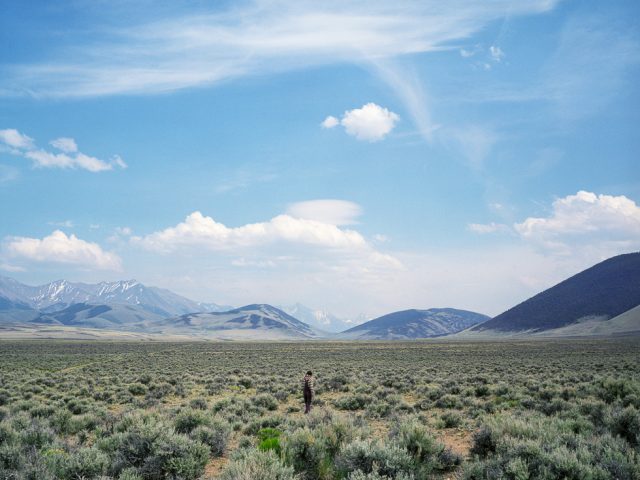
424	409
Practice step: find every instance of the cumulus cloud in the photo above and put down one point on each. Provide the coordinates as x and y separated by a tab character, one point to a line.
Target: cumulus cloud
585	217
69	157
333	212
304	243
371	122
330	122
200	230
60	248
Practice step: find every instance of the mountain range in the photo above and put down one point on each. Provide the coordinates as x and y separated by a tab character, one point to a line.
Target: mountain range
602	300
61	294
320	319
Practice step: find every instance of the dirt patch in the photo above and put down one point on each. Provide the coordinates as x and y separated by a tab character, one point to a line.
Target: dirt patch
214	468
456	439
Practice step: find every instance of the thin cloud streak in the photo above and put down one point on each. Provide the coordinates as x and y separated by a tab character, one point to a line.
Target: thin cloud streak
261	38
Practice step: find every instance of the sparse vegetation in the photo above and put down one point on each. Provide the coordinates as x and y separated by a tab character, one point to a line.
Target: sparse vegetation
417	410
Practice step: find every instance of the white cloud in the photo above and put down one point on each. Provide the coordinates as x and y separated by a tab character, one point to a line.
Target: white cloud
67	145
496	53
13	138
7	267
199	230
484	228
60	248
22	145
284	244
330	122
371	122
333	212
184	51
585	219
260	37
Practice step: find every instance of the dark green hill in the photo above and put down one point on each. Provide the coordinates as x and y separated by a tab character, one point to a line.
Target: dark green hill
605	290
408	324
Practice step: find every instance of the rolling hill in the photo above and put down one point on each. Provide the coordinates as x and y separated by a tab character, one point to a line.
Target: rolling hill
592	297
114	317
251	322
410	324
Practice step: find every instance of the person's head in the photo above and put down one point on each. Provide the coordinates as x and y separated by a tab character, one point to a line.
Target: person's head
309	373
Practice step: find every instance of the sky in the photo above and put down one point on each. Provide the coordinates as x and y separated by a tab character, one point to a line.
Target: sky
357	157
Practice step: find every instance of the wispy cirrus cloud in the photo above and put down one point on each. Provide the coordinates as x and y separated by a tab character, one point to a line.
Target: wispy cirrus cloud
66	156
258	37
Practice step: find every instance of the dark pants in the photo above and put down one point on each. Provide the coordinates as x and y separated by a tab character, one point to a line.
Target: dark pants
308	398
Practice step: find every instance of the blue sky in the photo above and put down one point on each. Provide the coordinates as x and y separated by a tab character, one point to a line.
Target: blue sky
359	157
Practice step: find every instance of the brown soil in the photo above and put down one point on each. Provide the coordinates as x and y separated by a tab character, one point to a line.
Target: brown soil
457	439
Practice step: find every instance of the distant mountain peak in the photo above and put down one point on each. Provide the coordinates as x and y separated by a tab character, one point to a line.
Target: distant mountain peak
62	293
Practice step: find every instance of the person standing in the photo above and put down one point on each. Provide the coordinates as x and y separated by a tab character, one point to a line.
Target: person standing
308	390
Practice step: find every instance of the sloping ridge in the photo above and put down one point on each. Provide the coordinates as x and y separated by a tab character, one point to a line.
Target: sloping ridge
603	291
415	323
256	320
114	316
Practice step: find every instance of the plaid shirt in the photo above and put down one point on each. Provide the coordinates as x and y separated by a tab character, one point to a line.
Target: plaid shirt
308	384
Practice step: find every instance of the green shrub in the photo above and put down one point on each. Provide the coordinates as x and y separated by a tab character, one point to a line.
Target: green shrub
84	463
257	465
450	420
375	475
10	457
154	450
7	433
265	400
187	420
626	424
198	404
215	435
353	402
36	436
390	460
137	389
484	442
306	452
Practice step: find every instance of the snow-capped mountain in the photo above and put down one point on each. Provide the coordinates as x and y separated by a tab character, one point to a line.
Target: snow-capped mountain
257	321
320	319
61	294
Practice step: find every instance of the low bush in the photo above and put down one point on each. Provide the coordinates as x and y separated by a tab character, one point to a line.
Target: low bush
257	465
386	459
216	435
